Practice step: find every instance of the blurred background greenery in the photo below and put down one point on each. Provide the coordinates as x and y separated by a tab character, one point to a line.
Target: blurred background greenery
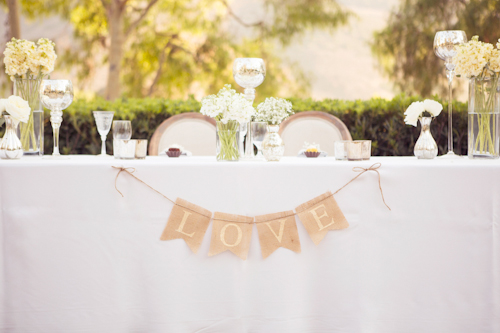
147	58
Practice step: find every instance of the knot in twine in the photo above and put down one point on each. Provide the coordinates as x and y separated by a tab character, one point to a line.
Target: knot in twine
361	171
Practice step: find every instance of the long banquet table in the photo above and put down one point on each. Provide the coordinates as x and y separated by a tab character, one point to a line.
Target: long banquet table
78	257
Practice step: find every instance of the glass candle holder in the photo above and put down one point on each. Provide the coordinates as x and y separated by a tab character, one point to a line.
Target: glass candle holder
341	150
124	149
141	148
355	151
366	149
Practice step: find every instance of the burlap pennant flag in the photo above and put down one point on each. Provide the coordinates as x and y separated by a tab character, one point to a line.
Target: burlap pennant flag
320	215
231	232
189	222
277	230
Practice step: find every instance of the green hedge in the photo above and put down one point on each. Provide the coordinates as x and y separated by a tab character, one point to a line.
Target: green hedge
376	119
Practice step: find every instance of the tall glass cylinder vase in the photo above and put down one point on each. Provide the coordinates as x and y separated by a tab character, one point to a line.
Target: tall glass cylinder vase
228	136
31	133
484	113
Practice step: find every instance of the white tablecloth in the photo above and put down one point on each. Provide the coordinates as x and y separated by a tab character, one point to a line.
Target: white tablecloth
77	257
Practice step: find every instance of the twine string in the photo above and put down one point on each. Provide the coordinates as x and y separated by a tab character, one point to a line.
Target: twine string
361	171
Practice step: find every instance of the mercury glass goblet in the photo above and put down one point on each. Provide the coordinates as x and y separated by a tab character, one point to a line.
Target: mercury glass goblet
249	73
56	95
444	48
259	131
103	120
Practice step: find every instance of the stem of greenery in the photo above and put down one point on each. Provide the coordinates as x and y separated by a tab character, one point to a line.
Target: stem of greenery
484	102
228	141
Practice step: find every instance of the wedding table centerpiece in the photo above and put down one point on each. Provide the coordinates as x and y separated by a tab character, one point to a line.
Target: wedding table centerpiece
425	147
273	111
28	63
229	109
480	63
14	110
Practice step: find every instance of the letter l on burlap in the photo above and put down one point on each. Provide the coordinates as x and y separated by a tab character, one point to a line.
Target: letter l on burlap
189	222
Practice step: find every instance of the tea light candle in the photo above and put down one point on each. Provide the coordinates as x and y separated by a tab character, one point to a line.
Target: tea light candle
126	149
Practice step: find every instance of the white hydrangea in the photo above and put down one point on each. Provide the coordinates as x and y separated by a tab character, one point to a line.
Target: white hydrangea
228	105
24	58
415	110
472	57
274	110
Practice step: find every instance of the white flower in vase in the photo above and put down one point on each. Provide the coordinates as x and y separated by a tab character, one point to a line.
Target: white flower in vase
274	110
228	105
416	110
17	108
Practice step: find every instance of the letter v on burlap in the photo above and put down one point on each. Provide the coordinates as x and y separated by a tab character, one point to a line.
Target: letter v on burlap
189	222
320	215
277	230
231	232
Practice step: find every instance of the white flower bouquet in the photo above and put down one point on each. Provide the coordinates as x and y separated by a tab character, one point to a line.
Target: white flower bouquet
28	63
417	110
274	110
480	62
229	109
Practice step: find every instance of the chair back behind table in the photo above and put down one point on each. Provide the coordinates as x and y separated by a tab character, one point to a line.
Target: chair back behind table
312	126
193	131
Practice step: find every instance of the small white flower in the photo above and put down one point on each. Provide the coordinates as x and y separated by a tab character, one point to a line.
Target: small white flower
413	112
433	107
18	108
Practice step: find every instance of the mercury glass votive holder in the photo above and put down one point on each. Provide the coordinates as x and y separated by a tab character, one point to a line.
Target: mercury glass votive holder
366	149
341	148
141	148
124	149
355	151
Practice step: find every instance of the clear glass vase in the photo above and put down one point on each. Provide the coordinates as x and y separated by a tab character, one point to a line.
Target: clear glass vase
10	146
31	133
425	147
483	127
228	137
273	146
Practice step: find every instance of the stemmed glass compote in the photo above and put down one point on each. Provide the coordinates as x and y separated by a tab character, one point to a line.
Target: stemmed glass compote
444	48
259	131
56	95
103	120
249	73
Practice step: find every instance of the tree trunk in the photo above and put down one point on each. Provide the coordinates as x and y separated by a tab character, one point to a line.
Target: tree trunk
14	25
115	13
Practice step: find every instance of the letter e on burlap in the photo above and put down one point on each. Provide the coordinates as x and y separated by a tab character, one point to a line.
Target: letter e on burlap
231	232
277	230
189	222
320	215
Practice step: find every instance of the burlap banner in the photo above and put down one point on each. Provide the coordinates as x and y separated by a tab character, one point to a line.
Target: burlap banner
234	232
320	215
277	230
189	222
233	236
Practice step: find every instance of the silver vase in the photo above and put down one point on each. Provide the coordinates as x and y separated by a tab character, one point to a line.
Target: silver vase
273	146
426	147
10	145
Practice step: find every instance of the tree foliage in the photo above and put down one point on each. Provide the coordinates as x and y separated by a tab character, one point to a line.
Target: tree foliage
177	47
404	47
